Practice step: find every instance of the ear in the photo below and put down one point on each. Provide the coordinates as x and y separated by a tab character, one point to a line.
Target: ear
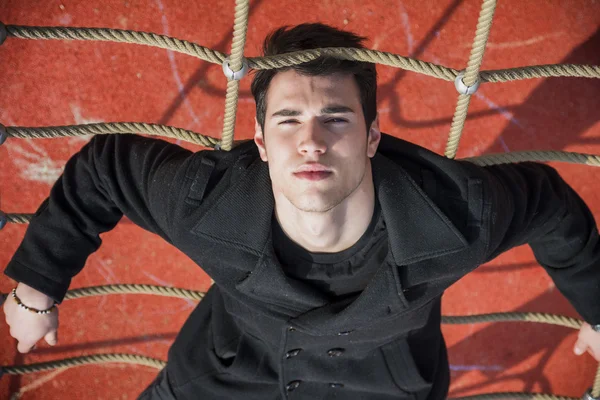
259	139
374	137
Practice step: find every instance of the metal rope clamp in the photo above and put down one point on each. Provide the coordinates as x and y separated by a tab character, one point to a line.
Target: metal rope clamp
3	33
464	89
3	134
588	395
3	219
235	75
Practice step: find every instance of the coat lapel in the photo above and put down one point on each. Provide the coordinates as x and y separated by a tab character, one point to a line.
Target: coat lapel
241	216
417	228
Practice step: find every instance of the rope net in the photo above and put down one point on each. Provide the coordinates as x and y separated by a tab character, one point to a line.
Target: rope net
236	62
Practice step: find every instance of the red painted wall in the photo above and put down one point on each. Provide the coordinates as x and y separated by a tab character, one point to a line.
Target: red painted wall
44	83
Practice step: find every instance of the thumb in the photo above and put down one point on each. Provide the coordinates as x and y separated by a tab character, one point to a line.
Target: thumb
579	348
51	338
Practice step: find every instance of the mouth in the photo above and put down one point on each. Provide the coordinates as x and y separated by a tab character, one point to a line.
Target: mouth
313	175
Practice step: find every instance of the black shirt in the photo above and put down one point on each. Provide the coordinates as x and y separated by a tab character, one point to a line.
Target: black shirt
337	274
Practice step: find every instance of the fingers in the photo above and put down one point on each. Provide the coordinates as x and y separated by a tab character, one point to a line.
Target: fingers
51	338
580	348
25	347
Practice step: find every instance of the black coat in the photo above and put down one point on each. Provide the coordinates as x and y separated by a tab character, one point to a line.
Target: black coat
261	335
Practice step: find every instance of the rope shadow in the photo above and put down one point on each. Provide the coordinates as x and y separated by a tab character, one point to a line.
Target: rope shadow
488	269
472	349
200	73
91	346
15	381
387	91
562	124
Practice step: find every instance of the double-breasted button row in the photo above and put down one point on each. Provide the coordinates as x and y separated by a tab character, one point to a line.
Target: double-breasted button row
330	353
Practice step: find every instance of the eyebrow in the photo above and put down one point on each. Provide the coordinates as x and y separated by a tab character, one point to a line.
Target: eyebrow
333	109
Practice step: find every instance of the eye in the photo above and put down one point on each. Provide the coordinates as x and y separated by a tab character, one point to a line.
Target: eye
336	121
288	121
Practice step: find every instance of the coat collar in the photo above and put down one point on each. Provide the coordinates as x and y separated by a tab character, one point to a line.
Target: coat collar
417	230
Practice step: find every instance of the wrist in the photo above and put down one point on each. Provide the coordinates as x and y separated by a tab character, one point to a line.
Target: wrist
33	298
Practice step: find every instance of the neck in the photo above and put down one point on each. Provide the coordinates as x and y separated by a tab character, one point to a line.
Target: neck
334	230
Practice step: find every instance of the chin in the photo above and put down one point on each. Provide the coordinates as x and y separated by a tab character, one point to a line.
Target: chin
314	203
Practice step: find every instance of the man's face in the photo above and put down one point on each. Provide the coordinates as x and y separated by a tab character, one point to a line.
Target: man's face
312	123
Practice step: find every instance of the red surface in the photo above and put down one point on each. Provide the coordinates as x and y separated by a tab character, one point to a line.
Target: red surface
45	83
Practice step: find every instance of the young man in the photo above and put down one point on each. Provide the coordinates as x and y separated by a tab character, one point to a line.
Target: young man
330	243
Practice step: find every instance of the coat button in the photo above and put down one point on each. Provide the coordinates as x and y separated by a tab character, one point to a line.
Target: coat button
345	333
292	353
336	385
335	352
291	329
292	385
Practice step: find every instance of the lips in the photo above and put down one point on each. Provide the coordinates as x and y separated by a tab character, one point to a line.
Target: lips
313	167
313	175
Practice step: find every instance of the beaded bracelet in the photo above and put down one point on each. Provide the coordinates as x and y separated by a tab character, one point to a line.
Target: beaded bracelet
33	310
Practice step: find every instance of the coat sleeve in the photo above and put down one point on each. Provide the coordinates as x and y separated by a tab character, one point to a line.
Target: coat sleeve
530	203
111	176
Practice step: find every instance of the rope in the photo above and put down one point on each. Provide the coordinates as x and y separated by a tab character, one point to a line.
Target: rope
550	155
295	58
130	288
458	123
352	54
484	24
83	360
541	71
552	319
231	99
19	218
111	128
135	289
116	35
240	28
596	388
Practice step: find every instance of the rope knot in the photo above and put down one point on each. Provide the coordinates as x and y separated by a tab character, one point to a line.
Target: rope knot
588	395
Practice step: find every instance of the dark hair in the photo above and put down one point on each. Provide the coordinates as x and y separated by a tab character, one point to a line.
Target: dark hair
312	36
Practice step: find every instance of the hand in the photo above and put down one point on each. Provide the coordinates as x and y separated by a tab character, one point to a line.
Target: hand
589	340
28	328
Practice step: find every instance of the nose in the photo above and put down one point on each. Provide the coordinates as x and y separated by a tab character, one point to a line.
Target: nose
312	139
